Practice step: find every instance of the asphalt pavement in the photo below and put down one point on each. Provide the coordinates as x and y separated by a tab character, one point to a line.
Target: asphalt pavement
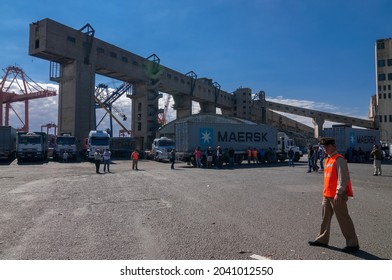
66	211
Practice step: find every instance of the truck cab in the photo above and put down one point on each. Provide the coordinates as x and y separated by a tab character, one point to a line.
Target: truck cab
284	144
31	146
97	139
65	143
161	148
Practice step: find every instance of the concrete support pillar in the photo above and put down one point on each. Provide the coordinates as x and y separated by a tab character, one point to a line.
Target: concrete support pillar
207	107
76	100
318	127
183	105
144	114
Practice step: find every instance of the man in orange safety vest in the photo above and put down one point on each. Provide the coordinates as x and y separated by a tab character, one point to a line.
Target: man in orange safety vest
337	189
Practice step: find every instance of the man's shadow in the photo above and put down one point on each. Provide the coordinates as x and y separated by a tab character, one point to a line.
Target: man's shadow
360	254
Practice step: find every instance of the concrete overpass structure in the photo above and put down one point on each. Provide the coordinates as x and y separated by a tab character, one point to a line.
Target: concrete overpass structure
320	117
76	56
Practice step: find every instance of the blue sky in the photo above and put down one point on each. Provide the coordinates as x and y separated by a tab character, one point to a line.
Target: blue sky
314	53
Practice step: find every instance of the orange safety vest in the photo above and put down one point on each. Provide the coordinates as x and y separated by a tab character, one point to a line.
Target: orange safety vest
249	153
254	152
135	155
331	178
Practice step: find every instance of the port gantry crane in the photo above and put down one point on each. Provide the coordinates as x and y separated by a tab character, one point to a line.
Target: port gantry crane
16	86
162	115
104	98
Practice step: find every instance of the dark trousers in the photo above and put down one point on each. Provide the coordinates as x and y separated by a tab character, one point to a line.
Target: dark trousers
97	164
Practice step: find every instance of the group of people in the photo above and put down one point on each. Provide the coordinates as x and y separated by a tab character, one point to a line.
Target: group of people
102	157
316	154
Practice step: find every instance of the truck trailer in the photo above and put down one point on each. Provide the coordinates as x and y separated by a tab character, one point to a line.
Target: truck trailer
7	142
355	143
122	147
239	137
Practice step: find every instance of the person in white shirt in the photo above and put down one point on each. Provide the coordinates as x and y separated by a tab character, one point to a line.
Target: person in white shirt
106	160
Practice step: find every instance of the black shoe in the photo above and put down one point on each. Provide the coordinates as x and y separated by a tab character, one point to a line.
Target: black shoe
318	244
375	174
350	249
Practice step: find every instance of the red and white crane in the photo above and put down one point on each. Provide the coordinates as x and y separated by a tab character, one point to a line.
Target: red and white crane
16	86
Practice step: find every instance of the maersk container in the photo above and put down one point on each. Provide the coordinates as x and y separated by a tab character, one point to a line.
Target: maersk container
347	138
190	135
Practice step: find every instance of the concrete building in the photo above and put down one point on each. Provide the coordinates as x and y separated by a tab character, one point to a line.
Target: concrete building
381	111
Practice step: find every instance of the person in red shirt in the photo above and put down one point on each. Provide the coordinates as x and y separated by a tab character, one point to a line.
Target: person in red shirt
135	159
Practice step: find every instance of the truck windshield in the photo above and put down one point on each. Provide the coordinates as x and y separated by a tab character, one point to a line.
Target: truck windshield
166	143
99	141
30	140
65	141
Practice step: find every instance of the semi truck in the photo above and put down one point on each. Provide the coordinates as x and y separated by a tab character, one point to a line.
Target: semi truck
97	139
65	143
285	143
355	143
7	142
213	130
31	146
238	137
161	148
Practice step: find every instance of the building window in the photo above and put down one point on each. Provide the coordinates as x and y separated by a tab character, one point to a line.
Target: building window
389	95
381	77
124	59
379	96
385	118
389	62
139	126
385	96
380	118
139	106
381	63
379	88
389	76
380	45
100	50
71	39
390	118
113	54
389	87
384	87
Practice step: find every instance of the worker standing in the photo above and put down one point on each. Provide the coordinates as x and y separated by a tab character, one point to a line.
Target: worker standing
173	157
106	160
97	160
376	153
254	156
135	159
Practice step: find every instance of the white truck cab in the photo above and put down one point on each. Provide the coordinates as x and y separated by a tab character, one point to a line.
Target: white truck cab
97	139
161	148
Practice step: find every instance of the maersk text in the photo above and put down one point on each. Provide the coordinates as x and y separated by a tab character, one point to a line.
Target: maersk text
242	136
